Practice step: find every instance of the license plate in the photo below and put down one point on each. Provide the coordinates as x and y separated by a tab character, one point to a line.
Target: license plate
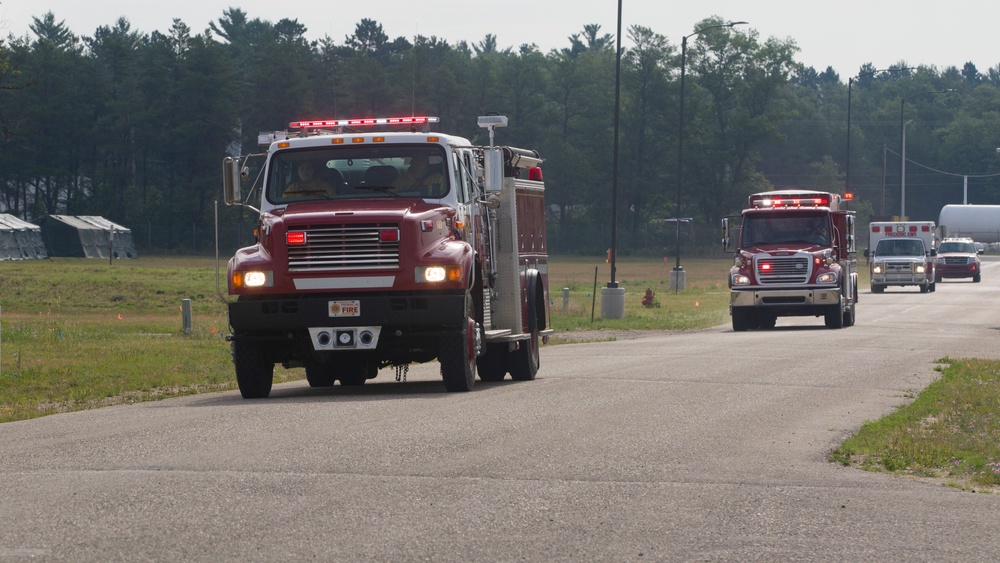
345	308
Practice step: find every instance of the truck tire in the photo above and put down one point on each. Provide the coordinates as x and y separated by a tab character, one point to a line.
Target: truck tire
834	317
525	361
977	278
741	319
457	354
352	372
876	288
850	314
254	371
492	366
767	322
319	375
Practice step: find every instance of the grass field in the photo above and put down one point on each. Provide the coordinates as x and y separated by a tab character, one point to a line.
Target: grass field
78	334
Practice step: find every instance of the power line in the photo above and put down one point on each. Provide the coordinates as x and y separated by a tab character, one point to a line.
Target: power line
946	173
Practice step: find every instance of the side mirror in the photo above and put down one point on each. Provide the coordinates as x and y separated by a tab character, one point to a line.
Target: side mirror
725	233
867	253
231	180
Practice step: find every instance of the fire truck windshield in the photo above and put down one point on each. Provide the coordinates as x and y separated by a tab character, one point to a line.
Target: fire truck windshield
786	228
358	172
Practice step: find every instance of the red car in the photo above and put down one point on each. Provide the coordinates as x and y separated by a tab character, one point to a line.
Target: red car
957	258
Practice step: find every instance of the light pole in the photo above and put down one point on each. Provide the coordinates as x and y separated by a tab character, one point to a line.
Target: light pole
902	148
677	277
850	83
612	296
902	174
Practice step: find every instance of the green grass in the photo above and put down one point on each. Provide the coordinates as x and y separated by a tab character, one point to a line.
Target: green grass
704	301
949	431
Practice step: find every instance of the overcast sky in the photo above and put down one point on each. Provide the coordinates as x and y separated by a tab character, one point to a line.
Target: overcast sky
843	34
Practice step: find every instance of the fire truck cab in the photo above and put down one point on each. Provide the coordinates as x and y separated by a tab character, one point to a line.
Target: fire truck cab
381	243
795	256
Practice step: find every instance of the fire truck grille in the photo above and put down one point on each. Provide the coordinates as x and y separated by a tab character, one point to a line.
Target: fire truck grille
345	247
783	270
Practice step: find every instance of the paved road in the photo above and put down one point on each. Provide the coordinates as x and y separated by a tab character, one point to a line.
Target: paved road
708	445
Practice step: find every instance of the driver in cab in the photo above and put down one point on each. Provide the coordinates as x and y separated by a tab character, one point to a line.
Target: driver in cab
307	184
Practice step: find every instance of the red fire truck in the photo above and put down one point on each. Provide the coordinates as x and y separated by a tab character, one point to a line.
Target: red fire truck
795	256
381	243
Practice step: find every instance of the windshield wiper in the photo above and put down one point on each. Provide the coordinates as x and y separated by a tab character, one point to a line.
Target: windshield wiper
384	189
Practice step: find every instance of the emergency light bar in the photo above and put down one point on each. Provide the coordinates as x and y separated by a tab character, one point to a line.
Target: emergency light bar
363	122
791	200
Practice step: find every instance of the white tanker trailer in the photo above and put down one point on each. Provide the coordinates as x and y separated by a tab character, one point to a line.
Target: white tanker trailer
981	223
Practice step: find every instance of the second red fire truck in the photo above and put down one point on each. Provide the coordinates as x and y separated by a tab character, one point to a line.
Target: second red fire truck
795	256
381	243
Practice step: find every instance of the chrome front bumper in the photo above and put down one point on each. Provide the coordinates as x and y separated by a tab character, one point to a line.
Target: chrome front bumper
758	297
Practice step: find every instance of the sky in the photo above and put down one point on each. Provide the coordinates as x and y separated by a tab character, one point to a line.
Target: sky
843	35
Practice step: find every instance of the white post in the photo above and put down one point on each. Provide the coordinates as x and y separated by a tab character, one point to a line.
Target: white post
965	190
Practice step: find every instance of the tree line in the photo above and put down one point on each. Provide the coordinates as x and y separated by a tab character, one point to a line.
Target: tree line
133	126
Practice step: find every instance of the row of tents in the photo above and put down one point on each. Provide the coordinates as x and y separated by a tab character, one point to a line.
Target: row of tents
81	236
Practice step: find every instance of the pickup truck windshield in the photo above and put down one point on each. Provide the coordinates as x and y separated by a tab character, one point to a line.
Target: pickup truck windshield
386	171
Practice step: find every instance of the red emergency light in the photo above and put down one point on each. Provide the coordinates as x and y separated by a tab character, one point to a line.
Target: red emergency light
388	235
295	238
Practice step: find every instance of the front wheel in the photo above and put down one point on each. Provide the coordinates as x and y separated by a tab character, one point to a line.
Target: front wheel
741	319
457	353
834	317
254	371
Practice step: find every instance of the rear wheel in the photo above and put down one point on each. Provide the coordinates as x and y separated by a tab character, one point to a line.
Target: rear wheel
355	371
457	353
492	365
524	361
319	375
977	278
254	371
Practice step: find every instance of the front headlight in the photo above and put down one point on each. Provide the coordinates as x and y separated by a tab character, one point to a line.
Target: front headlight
828	277
877	269
253	278
919	268
740	279
436	274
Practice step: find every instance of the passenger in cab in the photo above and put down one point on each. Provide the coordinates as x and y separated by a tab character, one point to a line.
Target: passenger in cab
422	176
